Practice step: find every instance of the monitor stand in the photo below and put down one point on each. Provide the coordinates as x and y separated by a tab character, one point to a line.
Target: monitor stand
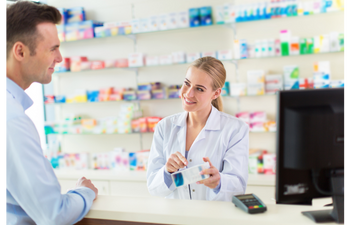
337	213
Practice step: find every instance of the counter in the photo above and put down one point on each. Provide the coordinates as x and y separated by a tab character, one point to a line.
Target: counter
136	210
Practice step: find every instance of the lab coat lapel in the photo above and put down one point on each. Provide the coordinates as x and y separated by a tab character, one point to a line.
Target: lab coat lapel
181	133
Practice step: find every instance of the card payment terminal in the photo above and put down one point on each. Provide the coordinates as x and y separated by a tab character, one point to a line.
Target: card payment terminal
249	203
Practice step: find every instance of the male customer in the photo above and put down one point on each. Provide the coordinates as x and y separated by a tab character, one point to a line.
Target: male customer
33	192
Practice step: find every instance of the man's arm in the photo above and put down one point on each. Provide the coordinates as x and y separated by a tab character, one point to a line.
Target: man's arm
32	182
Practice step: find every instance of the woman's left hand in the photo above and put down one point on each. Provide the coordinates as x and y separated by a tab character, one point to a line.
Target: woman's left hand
214	174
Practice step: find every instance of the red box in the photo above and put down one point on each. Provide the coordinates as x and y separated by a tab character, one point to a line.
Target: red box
122	63
97	65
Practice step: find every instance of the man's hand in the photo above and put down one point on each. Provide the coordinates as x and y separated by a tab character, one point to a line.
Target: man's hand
83	182
175	162
214	174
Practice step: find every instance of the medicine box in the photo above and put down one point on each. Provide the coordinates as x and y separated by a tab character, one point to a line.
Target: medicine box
258	116
212	54
135	26
136	59
337	84
76	14
244	116
306	83
224	54
163	21
291	77
153	23
152	60
191	57
144	25
238	89
256	77
183	19
256	89
273	83
172	21
205	14
190	175
165	59
194	17
179	57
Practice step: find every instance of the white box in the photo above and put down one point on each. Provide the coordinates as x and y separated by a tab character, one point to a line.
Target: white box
256	89
334	45
153	23
237	49
212	54
224	54
220	14
191	57
136	59
179	57
238	89
172	21
163	21
110	63
325	43
152	60
144	23
111	24
258	116
165	59
291	73
336	84
183	19
135	26
190	175
255	76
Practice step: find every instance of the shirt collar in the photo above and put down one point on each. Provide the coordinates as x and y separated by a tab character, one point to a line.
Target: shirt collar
213	122
18	94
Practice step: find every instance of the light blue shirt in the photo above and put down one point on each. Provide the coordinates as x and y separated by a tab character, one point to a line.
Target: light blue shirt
224	139
32	189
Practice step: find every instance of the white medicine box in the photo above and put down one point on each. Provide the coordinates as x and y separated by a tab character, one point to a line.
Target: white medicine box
136	59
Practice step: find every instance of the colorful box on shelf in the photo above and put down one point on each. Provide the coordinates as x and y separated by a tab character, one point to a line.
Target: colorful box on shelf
166	59
258	116
336	84
61	32
224	54
240	49
273	83
225	91
76	14
158	93
97	65
81	30
63	66
211	54
256	82
183	19
60	99
110	63
130	95
322	74
64	15
152	60
85	65
291	77
205	14
122	63
49	99
93	96
119	160
244	116
179	57
262	162
306	83
194	17
75	63
144	95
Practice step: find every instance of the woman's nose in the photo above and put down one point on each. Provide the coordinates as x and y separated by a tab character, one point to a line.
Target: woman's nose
190	92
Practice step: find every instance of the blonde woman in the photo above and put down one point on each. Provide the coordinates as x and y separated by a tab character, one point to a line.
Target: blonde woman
203	133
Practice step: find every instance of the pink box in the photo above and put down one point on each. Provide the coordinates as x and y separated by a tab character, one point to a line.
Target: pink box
97	65
245	116
122	63
258	116
257	127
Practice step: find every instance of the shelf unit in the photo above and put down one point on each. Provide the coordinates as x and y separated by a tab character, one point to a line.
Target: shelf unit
136	38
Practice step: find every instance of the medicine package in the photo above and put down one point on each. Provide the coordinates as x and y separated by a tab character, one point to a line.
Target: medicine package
190	175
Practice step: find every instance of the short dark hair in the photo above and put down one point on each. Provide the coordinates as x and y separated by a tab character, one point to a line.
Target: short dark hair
22	19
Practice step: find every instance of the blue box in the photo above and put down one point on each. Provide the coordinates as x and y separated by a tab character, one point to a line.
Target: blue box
92	96
76	14
64	15
132	160
194	17
81	30
205	14
60	99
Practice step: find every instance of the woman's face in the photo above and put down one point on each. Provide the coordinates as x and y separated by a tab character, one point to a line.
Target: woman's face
196	92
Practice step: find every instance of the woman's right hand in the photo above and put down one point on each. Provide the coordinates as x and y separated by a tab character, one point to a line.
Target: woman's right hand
175	162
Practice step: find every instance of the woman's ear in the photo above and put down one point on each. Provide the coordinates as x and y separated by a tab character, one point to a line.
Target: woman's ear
217	93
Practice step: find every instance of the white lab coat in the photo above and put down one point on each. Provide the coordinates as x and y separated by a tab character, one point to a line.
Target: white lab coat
224	139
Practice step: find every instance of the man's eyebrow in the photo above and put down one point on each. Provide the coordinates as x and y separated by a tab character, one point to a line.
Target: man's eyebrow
55	46
198	85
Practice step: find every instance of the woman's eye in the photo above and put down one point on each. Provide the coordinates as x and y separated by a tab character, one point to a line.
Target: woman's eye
187	84
199	89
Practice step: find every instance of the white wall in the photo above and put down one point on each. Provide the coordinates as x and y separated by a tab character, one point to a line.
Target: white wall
199	39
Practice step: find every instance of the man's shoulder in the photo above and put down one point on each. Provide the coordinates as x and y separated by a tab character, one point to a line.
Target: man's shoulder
13	108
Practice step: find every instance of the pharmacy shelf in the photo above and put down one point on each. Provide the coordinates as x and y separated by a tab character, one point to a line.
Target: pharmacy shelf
138	133
227	25
141	176
148	100
234	61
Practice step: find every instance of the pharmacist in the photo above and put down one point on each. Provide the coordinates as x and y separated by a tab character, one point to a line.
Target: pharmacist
203	133
33	194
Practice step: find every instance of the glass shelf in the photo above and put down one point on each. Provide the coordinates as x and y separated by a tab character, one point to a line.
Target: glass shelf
133	36
148	100
258	132
227	60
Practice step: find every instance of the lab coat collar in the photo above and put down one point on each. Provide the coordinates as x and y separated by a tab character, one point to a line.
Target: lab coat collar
18	94
213	122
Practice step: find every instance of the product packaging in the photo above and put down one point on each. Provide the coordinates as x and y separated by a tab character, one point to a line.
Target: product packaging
179	57
136	59
190	175
258	116
135	26
273	83
61	32
291	77
191	57
336	84
109	63
285	37
322	74
97	65
224	54
244	116
163	21
122	63
205	14
152	60
238	89
166	59
183	19
212	54
63	66
226	89
76	14
194	17
306	83
75	63
172	21
269	161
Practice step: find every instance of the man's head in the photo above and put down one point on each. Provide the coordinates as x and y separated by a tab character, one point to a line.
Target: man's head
32	42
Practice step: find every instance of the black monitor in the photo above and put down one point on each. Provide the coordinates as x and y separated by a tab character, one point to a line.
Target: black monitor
310	150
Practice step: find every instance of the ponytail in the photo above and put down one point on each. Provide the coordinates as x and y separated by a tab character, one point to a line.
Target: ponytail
217	103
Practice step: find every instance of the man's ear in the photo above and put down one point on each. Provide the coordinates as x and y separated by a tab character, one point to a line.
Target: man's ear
217	93
19	51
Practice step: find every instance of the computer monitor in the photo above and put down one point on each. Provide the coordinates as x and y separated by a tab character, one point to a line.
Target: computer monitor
310	150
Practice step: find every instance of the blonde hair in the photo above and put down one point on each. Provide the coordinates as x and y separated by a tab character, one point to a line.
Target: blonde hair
216	70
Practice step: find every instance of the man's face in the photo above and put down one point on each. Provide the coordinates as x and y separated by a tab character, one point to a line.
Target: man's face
39	68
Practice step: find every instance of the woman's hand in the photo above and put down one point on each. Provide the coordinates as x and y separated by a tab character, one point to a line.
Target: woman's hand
175	162
214	179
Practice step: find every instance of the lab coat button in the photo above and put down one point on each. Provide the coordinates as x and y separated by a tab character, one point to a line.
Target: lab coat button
193	190
190	160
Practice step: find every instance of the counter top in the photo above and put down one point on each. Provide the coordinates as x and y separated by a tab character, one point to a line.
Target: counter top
140	176
171	211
